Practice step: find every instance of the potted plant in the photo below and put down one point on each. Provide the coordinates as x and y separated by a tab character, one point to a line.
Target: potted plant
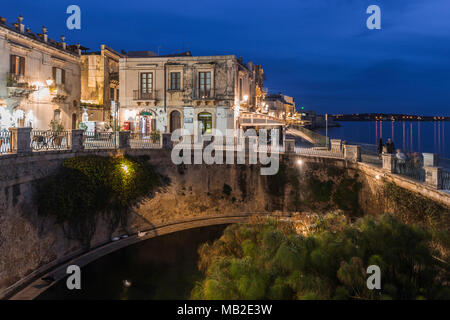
57	128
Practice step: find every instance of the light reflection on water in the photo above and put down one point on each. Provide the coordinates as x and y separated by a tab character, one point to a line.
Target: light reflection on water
417	136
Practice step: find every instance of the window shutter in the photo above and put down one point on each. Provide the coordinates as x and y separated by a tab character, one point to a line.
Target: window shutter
22	66
12	64
54	74
63	76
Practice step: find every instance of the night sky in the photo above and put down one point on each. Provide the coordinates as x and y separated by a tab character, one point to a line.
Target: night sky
319	51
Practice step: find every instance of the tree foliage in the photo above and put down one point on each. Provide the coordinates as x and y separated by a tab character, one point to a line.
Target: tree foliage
271	261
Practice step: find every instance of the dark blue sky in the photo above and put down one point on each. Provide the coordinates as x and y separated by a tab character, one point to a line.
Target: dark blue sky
318	51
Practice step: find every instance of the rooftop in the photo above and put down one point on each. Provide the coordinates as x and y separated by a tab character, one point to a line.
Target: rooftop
40	37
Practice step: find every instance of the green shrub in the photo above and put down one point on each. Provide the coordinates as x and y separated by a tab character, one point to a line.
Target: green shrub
271	261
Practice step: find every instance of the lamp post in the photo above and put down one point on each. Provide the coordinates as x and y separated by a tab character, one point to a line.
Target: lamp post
326	129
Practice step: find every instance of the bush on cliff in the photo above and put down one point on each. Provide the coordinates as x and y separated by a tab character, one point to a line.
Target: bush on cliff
271	261
86	186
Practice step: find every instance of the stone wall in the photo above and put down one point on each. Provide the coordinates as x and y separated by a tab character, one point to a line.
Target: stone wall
30	244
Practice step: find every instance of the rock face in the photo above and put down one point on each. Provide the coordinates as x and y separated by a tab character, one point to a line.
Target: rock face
30	244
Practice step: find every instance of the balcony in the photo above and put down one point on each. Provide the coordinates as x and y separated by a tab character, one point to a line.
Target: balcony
18	86
138	95
204	95
59	92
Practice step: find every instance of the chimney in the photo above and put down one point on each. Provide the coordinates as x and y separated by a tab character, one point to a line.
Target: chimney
78	49
44	32
64	45
21	25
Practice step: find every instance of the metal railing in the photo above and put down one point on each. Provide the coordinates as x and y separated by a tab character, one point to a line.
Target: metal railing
5	141
49	140
139	140
139	95
445	180
198	94
100	140
412	167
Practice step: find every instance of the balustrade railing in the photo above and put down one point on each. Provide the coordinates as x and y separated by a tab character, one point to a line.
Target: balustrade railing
49	140
319	152
445	180
5	141
411	167
139	140
100	140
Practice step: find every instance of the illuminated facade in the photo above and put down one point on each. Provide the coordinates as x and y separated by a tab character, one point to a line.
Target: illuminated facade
197	93
100	83
39	79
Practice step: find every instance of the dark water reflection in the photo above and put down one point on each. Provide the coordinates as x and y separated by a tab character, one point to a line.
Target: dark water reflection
160	268
416	136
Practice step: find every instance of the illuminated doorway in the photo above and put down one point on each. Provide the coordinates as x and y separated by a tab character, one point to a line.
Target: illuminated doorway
205	123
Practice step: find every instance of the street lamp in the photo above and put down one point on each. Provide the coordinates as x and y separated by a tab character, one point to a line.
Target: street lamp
49	82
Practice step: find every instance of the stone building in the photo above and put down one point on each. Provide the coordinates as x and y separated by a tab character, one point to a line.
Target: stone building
100	83
198	93
39	78
280	106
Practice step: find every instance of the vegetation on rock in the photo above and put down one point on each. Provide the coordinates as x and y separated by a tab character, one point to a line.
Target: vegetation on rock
269	260
89	185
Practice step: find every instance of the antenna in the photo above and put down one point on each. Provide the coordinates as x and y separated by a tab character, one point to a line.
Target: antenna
183	43
159	47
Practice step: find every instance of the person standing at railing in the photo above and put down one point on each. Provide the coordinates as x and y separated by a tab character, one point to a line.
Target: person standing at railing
390	146
380	147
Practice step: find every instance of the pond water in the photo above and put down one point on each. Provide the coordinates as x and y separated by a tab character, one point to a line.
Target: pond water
159	268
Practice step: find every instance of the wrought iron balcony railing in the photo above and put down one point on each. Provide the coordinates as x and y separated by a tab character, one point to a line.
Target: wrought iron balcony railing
204	94
17	81
139	95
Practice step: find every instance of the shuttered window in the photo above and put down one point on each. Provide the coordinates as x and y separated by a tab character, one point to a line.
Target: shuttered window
175	80
17	65
59	76
146	82
204	83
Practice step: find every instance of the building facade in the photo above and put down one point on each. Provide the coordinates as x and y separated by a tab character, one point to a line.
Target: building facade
39	79
100	83
197	93
280	106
